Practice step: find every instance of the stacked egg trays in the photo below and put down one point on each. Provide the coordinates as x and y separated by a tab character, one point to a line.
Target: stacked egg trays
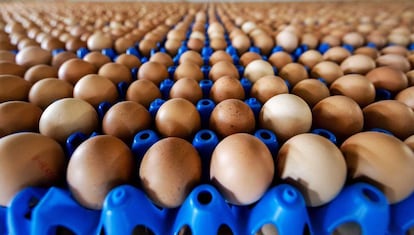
128	209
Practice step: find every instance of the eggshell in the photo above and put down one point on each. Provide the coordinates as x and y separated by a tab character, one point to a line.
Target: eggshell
170	169
153	71
99	41
128	60
339	114
258	69
95	89
220	55
223	68
356	87
73	69
29	159
10	68
170	120
390	115
48	90
395	61
18	116
188	89
288	40
410	142
388	78
13	88
310	58
226	87
61	58
406	96
354	39
195	44
314	165
191	56
188	70
40	71
97	58
66	116
368	159
368	51
33	55
232	116
172	45
280	59
143	92
286	115
267	87
327	70
162	58
98	165
336	54
248	57
241	168
116	73
311	91
360	64
293	73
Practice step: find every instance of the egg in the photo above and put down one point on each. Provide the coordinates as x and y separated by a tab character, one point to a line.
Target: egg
410	142
280	59
40	71
13	88
310	58
153	71
48	90
311	91
384	114
170	121
74	44
287	40
73	69
172	45
395	61
188	89
66	116
33	55
29	159
242	168
314	165
223	68
128	60
162	58
356	87
368	51
143	92
286	115
7	56
191	56
61	58
226	87
249	57
367	155
339	114
218	56
327	70
116	73
406	96
388	78
10	68
232	116
98	165
195	44
122	44
188	70
241	42
99	40
16	116
97	58
258	69
354	39
169	170
336	54
95	89
360	64
267	87
293	73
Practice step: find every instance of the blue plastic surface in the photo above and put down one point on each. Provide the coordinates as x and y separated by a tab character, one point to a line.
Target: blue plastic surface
81	52
134	73
205	69
382	131
247	86
327	134
171	71
133	51
57	51
205	141
205	86
142	141
382	94
255	105
3	219
109	52
165	87
269	139
348	47
323	47
102	108
73	141
122	88
402	216
204	108
154	106
359	203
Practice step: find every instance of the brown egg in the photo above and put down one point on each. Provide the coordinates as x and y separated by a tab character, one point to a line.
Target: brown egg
48	90
188	89
241	168
13	88
40	71
170	169
390	115
97	58
368	159
99	41
170	120
309	39
267	87
95	89
51	43
336	54
406	96
249	57
61	58
356	87
98	165
258	69
223	68
299	163
191	56
116	73
66	116
122	44
232	116
33	55
339	114
16	116
395	61
153	71
143	92
241	42
218	44
162	58
29	159
368	51
129	61
388	78
293	73
311	91
125	119
73	44
310	58
410	142
354	39
188	70
286	115
10	68
195	44
226	87
360	64
218	56
410	78
287	40
172	45
395	49
73	69
327	70
280	59
7	56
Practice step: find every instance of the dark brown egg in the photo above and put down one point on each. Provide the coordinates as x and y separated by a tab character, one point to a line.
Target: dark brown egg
241	168
223	68
48	90
29	159
188	70
10	68
13	88
232	116
95	89
356	87
293	73
388	78
61	58
16	116
390	115
170	169
226	87
116	73
162	58
267	87
97	58
33	55
143	92
98	165
40	71
327	70
406	96
191	56
311	91
153	71
188	89
248	57
125	119
73	69
339	114
170	120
